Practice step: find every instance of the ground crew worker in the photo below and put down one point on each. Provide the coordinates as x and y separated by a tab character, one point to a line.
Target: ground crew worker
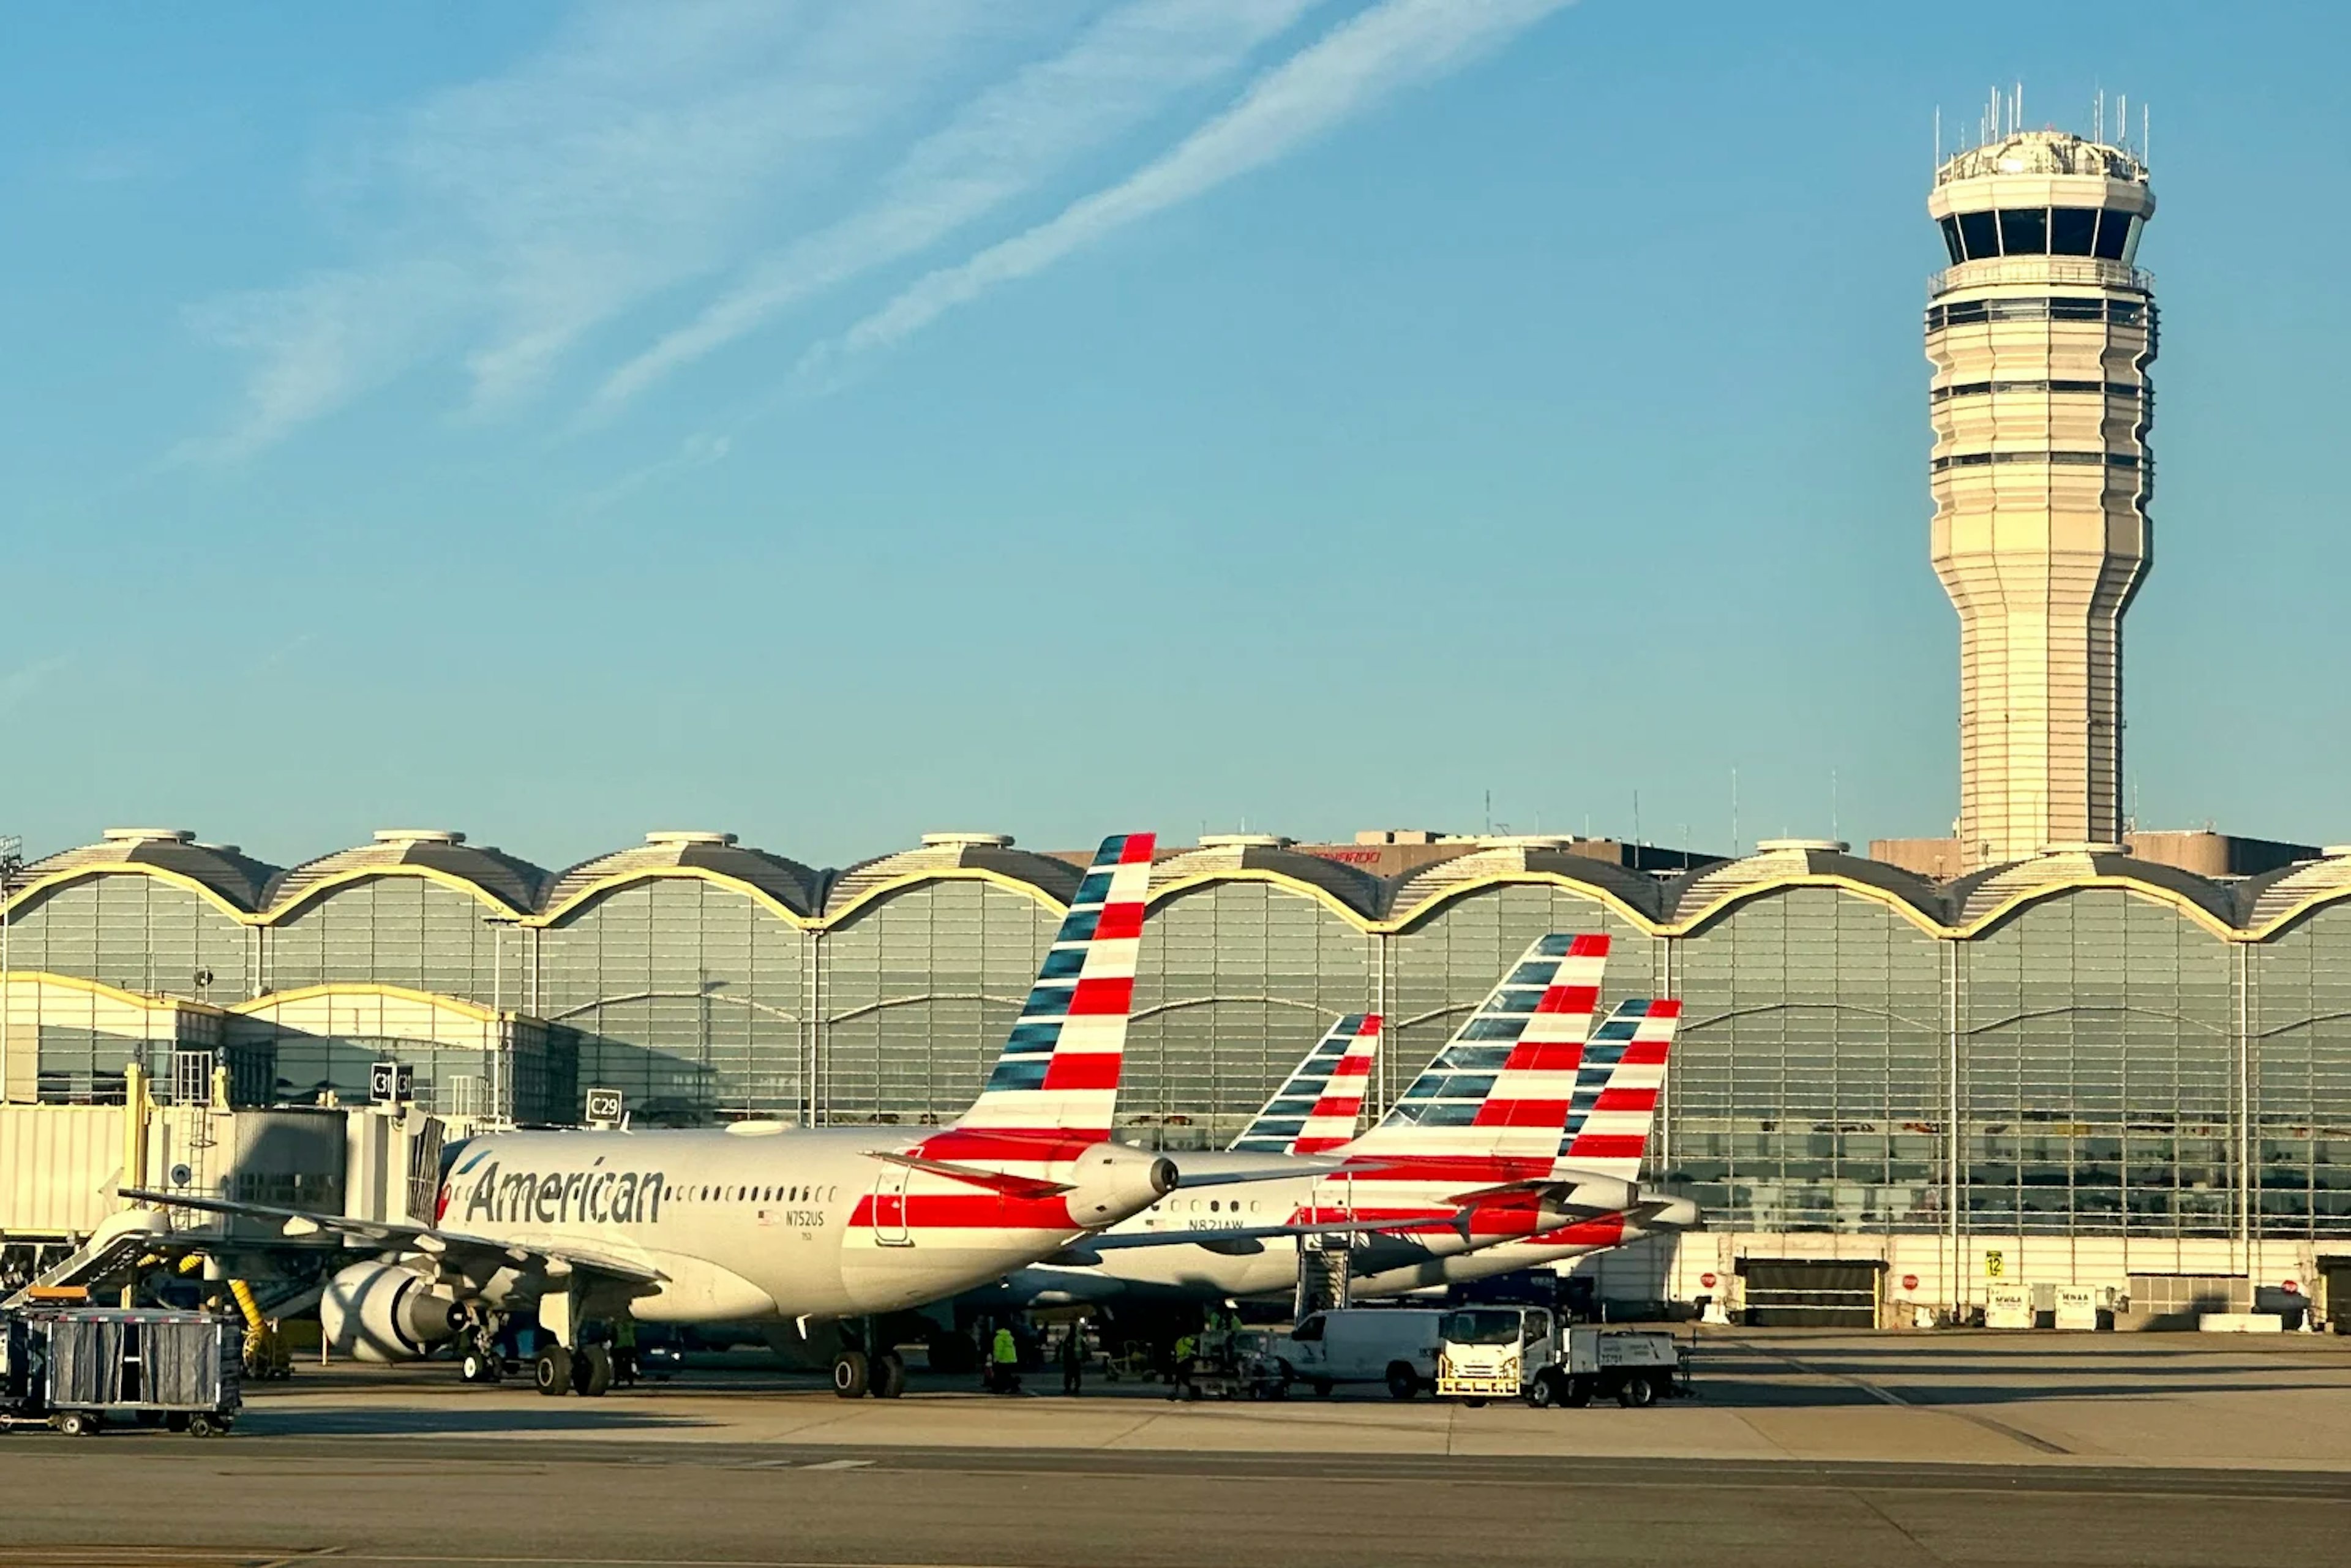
624	1349
1073	1358
1007	1358
1187	1347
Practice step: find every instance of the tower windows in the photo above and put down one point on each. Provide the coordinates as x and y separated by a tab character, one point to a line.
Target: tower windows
2040	231
2024	230
2062	307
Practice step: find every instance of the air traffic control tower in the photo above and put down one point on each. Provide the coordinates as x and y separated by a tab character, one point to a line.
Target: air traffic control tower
2040	332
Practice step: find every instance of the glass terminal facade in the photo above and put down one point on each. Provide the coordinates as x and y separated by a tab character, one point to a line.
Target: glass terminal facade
2080	1044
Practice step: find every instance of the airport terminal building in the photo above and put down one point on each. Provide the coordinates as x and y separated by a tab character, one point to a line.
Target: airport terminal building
2084	1056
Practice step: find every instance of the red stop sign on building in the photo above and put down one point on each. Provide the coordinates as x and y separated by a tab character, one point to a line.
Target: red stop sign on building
1909	1281
1707	1279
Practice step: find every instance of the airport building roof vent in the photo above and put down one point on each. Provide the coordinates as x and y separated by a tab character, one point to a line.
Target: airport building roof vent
1784	846
150	836
418	836
2085	848
1245	841
967	840
688	836
1525	841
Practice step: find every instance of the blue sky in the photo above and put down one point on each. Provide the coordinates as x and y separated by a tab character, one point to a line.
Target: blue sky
831	423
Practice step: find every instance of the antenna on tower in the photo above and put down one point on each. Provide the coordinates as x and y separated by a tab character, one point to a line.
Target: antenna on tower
2016	120
2146	133
2122	128
2101	112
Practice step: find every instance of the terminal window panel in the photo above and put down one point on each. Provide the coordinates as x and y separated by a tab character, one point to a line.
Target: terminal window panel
1234	983
389	930
2300	1025
919	994
1807	1086
1443	966
2097	1058
135	932
688	998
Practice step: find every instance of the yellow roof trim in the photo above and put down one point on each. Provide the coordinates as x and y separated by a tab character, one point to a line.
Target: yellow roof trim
2296	912
1870	891
882	890
286	909
2148	890
145	999
1397	926
618	881
178	879
474	1011
1280	879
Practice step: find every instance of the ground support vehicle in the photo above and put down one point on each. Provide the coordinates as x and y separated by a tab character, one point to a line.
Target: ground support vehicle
80	1369
1238	1364
1526	1353
1393	1345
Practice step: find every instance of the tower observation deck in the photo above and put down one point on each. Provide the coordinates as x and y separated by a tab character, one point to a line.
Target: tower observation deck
2041	331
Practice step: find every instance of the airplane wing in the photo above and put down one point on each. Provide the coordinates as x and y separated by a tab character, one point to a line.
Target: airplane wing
457	1248
1119	1241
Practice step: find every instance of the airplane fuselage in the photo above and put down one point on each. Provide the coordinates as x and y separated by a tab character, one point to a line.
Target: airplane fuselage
752	1222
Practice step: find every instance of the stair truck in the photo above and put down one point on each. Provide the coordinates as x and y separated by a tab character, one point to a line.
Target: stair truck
79	1369
1527	1353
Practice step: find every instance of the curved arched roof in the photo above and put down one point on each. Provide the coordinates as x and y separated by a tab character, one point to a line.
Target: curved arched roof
488	874
1697	896
226	872
1983	897
2270	900
1418	892
1238	858
987	857
715	856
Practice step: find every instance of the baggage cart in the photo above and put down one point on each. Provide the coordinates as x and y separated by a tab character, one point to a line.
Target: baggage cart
79	1369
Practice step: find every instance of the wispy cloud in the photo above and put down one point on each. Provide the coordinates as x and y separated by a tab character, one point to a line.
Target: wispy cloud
1118	72
1392	44
505	219
23	681
701	450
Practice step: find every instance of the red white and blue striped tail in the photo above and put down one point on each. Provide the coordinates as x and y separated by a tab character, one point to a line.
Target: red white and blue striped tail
1317	1109
1616	1089
1059	1069
1502	1088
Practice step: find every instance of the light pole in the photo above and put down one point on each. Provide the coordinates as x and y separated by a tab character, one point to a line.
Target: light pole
12	861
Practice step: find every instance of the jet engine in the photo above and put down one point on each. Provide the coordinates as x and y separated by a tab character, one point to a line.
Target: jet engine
384	1312
1112	1181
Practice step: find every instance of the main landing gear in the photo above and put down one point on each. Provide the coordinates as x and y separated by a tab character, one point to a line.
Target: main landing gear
856	1373
587	1372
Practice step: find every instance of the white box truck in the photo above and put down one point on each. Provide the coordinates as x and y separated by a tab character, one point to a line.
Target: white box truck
1524	1352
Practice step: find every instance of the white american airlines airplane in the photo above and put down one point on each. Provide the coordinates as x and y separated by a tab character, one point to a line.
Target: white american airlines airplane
761	1222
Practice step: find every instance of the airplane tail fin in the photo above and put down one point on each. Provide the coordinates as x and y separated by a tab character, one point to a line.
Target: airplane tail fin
1502	1088
1317	1108
1060	1068
1616	1089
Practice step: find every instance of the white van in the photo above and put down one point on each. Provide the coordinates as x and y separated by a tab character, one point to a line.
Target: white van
1395	1345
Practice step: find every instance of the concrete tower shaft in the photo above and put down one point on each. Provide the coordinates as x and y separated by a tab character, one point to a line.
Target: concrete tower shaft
2040	333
